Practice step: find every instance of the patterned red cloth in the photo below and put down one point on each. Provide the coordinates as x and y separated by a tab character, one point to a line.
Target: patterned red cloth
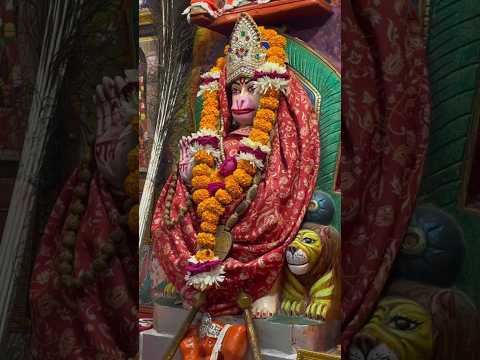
270	223
385	123
100	323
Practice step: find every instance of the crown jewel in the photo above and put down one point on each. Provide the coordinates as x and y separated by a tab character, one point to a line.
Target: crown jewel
245	53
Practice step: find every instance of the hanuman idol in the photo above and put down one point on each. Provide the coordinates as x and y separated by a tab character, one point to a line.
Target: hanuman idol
236	201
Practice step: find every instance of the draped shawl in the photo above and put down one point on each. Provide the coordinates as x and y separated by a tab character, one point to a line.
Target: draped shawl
272	220
385	126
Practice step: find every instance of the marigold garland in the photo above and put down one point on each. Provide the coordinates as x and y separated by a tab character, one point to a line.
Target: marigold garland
210	111
213	205
210	217
205	255
269	102
212	190
232	187
130	185
279	41
201	169
220	62
266	114
200	195
134	121
208	227
276	52
209	122
200	182
277	60
271	93
259	136
204	157
206	239
215	177
247	166
132	159
223	197
242	178
262	124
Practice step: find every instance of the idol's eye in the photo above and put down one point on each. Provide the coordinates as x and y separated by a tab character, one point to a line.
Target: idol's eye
235	90
251	88
307	240
403	323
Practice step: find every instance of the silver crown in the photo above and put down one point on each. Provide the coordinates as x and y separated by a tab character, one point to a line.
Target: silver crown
245	52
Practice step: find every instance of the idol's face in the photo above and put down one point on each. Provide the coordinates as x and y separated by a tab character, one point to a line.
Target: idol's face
245	98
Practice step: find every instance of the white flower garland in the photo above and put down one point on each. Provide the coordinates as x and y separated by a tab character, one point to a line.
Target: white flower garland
255	145
250	157
211	86
265	83
206	280
272	68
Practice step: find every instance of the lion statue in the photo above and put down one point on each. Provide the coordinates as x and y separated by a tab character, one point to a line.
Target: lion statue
399	329
312	279
419	321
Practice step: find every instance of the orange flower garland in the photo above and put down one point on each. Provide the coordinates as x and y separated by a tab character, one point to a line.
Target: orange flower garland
247	166
203	157
210	199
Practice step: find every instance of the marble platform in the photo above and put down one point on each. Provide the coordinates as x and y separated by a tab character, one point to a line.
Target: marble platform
280	337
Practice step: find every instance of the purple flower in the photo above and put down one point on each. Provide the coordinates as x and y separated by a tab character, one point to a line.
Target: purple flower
207	140
208	80
213	187
194	269
259	154
272	75
228	166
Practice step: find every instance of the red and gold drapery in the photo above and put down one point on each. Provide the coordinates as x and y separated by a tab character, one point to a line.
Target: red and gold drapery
385	125
96	322
270	223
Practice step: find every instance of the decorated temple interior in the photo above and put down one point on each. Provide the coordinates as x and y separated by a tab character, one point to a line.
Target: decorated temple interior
239	180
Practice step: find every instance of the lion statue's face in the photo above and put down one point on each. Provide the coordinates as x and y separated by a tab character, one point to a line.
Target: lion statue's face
400	329
304	252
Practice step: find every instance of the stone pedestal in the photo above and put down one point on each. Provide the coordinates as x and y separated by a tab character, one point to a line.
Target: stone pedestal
280	337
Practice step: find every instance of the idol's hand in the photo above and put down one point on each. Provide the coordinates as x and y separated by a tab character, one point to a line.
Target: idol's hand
186	162
115	136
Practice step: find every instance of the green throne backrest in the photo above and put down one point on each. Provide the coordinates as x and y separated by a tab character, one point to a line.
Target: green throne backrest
453	44
323	85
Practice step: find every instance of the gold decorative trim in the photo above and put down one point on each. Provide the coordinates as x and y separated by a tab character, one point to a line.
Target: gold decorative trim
145	17
318	106
424	10
309	85
312	355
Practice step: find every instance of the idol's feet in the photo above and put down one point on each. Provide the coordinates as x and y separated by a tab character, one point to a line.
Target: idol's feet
266	306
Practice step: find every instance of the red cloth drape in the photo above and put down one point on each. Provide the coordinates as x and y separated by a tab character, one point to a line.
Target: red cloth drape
272	219
101	322
385	124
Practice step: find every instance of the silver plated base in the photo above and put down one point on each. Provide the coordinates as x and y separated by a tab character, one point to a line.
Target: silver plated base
280	337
